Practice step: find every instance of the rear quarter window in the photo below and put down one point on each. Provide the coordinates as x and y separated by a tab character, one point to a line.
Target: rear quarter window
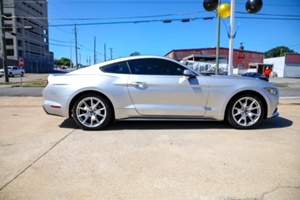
117	68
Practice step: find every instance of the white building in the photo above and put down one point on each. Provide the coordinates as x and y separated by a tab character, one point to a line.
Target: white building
287	66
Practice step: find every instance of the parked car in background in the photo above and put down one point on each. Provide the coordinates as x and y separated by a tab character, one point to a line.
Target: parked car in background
156	88
256	75
13	71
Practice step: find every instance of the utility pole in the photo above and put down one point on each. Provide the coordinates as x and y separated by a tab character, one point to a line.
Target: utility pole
95	55
104	52
111	50
76	54
4	56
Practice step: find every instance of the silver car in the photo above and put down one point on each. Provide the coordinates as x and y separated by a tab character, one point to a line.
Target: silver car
157	88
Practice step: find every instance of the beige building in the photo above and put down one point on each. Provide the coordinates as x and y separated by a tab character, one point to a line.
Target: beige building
27	35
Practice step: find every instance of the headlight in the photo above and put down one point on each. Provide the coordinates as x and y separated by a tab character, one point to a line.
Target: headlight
273	91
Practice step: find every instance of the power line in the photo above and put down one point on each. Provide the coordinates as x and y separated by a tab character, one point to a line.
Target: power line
105	18
61	41
270	18
134	22
137	17
265	14
170	20
138	2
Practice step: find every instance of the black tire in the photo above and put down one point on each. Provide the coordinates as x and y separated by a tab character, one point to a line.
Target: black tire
92	112
245	111
11	75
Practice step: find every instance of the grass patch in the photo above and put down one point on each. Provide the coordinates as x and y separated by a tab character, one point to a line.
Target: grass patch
9	83
41	83
34	83
281	84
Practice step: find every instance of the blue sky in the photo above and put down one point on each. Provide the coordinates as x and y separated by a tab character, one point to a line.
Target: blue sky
111	22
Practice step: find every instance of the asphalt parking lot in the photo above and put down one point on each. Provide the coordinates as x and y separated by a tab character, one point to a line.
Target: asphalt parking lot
47	157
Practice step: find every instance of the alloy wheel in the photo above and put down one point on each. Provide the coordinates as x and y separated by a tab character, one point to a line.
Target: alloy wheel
246	111
91	112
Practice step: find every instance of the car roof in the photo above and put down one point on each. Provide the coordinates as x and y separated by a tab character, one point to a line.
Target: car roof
96	66
134	58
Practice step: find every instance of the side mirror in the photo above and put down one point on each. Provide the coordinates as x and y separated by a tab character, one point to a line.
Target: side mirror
189	73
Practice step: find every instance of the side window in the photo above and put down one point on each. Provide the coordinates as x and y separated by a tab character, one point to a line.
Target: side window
155	67
118	68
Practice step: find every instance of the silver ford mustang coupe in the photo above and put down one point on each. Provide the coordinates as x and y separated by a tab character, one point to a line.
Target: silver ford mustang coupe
157	88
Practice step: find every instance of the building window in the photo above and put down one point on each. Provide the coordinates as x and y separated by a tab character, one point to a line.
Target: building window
20	43
45	31
9	42
19	20
20	53
8	17
10	52
8	28
19	30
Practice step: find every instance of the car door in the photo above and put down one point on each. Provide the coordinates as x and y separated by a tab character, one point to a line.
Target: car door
158	87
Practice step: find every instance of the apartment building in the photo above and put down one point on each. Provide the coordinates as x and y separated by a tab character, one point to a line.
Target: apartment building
27	35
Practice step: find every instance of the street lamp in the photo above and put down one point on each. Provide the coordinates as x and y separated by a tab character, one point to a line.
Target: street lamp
224	11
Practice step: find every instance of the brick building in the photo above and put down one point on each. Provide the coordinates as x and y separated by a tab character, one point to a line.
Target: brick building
241	57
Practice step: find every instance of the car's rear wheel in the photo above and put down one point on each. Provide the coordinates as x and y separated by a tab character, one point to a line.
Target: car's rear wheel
92	112
245	111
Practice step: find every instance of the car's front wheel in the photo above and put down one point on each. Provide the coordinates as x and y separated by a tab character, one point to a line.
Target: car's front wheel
92	112
245	111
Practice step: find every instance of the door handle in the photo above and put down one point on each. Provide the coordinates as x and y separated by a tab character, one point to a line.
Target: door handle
139	84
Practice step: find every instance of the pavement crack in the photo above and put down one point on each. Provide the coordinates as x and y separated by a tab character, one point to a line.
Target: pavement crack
277	188
45	153
266	193
6	145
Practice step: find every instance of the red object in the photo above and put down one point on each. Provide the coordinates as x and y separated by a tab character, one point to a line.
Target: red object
267	72
21	62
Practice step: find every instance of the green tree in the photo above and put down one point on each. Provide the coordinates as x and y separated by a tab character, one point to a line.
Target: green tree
278	51
135	53
62	61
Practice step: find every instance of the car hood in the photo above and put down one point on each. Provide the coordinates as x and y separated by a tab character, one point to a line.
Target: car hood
242	80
